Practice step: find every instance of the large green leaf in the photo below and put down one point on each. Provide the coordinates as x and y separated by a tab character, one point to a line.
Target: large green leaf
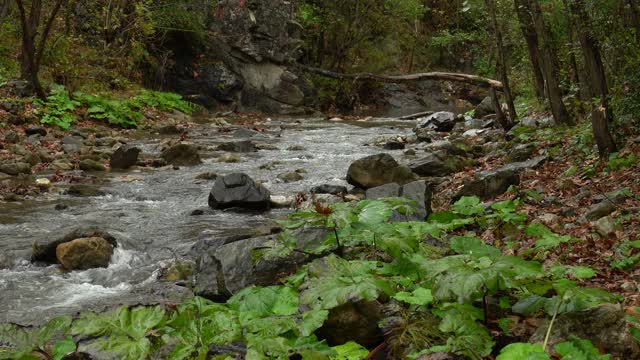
523	351
579	349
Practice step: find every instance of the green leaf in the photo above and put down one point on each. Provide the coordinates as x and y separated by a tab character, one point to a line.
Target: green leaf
63	347
474	246
523	351
265	301
579	349
349	351
419	296
468	206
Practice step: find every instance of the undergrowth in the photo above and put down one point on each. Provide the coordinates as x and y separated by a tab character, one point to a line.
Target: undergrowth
62	108
436	279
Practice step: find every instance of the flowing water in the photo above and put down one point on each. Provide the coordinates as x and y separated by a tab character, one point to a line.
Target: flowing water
148	211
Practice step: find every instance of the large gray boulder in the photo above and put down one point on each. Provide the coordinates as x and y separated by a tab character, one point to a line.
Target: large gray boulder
484	108
377	170
604	325
438	163
239	190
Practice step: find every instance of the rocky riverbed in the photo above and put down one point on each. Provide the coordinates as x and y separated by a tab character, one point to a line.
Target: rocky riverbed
157	214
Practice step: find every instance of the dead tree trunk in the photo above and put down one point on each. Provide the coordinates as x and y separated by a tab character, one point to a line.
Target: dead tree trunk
445	76
549	61
529	32
502	66
33	48
601	114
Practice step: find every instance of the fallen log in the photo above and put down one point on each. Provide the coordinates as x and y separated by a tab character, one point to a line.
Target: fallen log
416	115
445	76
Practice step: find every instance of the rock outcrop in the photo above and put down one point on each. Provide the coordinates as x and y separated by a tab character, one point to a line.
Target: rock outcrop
377	170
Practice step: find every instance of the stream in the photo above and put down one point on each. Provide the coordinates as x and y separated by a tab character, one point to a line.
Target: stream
148	211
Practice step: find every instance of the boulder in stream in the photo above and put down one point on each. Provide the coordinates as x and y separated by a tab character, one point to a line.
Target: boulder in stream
244	146
45	251
442	121
84	253
377	170
182	155
125	157
239	190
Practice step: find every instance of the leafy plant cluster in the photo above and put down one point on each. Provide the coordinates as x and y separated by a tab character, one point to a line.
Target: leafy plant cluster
437	280
60	108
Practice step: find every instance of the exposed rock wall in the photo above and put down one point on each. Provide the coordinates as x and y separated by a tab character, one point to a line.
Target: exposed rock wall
245	65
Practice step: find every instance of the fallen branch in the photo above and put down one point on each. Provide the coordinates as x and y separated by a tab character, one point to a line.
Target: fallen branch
465	78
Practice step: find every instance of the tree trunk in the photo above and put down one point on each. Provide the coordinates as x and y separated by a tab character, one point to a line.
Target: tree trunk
4	10
497	107
575	70
465	78
635	17
529	32
32	52
549	61
601	114
502	66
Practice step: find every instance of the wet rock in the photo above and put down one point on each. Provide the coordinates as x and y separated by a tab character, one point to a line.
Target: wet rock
245	133
182	155
5	262
124	157
353	321
238	190
168	129
606	226
271	165
244	146
487	184
484	108
15	168
84	253
61	165
437	164
264	146
84	190
376	170
394	145
604	325
91	165
177	270
45	250
207	176
35	130
197	212
60	207
12	138
296	148
521	152
291	176
410	152
230	158
329	189
280	201
442	121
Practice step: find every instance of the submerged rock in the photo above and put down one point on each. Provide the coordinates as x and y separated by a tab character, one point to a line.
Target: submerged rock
238	190
244	146
84	190
376	170
291	176
182	155
84	253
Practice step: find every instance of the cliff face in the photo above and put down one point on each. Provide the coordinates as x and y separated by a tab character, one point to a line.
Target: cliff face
245	65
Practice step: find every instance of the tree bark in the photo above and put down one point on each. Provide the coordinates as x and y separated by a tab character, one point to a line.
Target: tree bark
601	114
635	17
549	61
32	53
529	32
4	10
502	67
465	78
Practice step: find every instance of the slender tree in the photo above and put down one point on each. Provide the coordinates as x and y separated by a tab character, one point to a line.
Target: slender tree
531	38
549	62
33	47
502	66
601	114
